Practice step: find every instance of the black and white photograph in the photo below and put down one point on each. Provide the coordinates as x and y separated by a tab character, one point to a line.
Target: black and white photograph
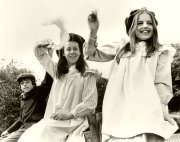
89	71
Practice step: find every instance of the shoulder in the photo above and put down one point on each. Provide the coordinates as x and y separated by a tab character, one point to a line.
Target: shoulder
167	51
92	72
114	47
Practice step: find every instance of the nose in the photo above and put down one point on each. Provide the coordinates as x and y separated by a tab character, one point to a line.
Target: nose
144	25
72	52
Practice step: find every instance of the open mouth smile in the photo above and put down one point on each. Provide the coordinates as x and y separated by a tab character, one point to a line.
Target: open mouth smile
145	31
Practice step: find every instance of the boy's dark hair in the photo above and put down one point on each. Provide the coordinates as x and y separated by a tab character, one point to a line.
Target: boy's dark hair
62	66
23	76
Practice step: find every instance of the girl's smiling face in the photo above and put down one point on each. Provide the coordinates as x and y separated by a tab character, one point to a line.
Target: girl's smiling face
71	52
144	29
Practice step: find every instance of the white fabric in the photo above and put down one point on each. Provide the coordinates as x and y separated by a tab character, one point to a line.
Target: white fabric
132	104
49	130
139	138
75	93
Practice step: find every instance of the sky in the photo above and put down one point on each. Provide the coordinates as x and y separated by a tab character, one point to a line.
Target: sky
21	24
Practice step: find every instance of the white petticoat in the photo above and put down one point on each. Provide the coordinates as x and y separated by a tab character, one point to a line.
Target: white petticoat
49	130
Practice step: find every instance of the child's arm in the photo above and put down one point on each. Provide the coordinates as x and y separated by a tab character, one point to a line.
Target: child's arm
163	81
45	60
89	98
45	87
91	51
47	81
15	126
93	54
46	84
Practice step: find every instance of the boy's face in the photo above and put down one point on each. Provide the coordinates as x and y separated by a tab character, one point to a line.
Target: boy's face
26	85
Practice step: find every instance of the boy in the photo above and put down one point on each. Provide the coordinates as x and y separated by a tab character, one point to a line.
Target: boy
33	104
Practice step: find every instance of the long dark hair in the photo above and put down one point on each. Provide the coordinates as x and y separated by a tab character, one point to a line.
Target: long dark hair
62	66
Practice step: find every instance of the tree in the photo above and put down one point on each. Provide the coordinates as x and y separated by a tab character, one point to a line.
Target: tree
9	93
174	104
101	87
176	70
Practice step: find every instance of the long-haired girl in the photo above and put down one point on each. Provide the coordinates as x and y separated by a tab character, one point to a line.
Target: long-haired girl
73	95
140	86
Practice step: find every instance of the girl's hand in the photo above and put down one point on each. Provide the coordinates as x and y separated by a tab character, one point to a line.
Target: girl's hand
62	115
50	52
168	118
166	115
45	44
93	21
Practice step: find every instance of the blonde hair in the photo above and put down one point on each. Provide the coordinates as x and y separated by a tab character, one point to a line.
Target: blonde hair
152	43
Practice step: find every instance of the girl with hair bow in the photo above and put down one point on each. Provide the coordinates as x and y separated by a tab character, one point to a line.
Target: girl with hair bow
73	95
140	86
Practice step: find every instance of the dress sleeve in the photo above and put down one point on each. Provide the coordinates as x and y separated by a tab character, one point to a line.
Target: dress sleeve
163	78
93	53
45	60
89	97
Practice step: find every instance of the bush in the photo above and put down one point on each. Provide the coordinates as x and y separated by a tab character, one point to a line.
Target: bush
9	94
176	70
174	104
101	87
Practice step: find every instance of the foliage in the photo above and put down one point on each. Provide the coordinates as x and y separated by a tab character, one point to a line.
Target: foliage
176	70
174	104
9	94
101	87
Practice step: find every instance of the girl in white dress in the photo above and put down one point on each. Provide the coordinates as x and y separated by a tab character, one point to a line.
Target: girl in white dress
73	95
140	87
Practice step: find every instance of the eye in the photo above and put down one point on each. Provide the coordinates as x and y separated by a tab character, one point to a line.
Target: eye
150	23
139	23
75	49
68	49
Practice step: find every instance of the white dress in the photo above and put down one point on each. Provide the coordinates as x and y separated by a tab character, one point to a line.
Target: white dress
74	93
137	88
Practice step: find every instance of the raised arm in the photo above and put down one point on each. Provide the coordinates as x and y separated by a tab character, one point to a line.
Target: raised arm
41	53
47	81
91	51
45	87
